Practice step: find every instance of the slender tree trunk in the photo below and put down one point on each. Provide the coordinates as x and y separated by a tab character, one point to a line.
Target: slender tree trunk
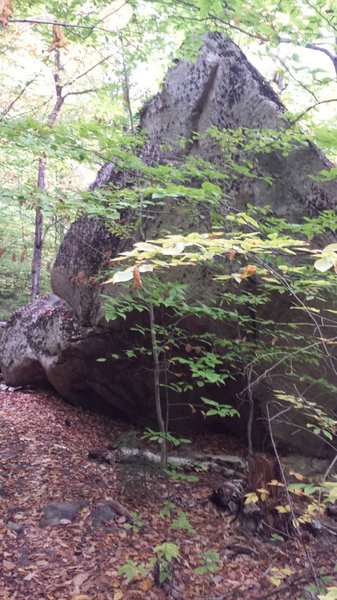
41	185
159	411
251	412
42	168
126	88
38	238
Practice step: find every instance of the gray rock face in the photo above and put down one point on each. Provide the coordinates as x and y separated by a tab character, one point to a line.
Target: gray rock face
222	89
58	340
86	251
31	338
45	344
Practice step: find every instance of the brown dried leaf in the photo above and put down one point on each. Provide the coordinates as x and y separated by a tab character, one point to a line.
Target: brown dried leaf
30	576
137	280
78	581
247	271
59	39
6	9
8	565
146	584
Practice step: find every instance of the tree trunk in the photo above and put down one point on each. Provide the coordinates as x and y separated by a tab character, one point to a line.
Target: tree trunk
159	412
41	185
38	239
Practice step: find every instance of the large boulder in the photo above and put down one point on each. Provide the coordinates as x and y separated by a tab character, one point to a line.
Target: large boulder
220	89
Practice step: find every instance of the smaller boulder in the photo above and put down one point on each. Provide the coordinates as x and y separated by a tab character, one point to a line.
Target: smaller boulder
61	513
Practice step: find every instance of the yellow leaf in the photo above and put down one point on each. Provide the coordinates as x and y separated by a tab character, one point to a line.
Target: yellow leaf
283	509
297	492
298	476
304	519
251	498
118	595
237	277
264	493
330	248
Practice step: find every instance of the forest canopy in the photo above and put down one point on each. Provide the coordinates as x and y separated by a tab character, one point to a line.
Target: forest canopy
75	75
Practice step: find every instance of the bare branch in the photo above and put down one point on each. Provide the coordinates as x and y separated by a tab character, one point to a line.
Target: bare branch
61	23
105	58
58	88
300	83
312	46
309	108
332	56
22	91
72	25
323	16
89	91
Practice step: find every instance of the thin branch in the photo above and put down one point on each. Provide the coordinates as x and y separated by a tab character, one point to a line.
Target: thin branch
113	12
283	476
300	302
89	91
300	83
61	23
332	57
321	49
309	108
72	25
298	427
156	374
22	91
323	16
312	46
277	364
212	17
105	58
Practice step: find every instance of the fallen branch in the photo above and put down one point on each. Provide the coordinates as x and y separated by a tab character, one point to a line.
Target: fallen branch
227	465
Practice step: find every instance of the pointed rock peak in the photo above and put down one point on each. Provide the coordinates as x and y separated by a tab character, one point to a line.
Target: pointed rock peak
220	88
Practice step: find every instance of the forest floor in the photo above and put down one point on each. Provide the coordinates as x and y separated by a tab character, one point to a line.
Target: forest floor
44	446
